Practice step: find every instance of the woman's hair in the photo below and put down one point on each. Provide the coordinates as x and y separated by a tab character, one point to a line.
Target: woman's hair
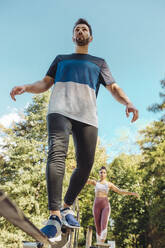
103	168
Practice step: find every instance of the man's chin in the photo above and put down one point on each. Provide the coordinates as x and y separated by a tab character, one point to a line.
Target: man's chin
82	42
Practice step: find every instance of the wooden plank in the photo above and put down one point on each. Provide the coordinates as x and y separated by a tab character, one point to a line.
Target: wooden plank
11	212
110	244
102	245
89	237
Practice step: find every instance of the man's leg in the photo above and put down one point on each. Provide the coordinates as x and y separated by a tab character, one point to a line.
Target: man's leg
59	128
85	139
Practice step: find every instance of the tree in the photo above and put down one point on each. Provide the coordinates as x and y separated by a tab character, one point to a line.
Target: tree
159	107
22	167
153	150
126	210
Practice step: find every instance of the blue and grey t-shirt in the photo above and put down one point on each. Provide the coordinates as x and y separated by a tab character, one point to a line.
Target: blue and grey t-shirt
77	78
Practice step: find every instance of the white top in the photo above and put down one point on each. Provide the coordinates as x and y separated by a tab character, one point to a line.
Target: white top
103	187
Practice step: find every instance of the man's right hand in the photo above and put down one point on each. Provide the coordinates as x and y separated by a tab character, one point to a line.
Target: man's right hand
17	90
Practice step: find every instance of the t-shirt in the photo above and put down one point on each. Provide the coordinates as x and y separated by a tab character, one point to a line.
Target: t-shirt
77	78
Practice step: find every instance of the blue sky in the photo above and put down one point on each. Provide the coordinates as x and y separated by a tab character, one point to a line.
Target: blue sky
128	34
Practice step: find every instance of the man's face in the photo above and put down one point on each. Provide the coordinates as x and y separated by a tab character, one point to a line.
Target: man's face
81	35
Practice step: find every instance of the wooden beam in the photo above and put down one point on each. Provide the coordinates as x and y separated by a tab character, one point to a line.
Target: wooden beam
89	237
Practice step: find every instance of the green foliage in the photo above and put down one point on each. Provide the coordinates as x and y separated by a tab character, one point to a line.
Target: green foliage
23	168
153	165
133	222
140	222
159	107
126	210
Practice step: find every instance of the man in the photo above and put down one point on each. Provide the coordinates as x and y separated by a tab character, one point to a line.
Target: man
72	108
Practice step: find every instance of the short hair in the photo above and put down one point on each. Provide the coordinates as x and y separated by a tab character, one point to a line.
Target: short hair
83	21
103	168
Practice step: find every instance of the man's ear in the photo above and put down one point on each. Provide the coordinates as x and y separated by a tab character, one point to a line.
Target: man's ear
91	38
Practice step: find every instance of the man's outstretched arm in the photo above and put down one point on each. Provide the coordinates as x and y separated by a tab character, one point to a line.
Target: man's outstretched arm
37	87
121	97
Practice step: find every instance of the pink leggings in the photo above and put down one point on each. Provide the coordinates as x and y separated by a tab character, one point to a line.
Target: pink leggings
101	212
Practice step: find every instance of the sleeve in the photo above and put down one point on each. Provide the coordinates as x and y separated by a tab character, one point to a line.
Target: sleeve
106	77
53	68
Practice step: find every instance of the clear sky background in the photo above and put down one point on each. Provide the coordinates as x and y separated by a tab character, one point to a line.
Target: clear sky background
128	34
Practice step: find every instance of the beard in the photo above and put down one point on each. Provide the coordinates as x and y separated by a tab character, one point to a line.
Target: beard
80	41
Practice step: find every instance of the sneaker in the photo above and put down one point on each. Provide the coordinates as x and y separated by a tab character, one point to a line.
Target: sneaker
53	228
68	218
98	238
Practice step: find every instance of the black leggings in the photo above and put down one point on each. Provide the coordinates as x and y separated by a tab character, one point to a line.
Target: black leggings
85	138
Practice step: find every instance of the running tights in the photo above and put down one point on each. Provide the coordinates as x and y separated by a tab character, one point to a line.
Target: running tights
101	211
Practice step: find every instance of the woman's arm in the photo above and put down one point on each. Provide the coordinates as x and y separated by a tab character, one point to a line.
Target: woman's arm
91	182
121	191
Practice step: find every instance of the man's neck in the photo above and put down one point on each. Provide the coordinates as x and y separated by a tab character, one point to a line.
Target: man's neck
82	49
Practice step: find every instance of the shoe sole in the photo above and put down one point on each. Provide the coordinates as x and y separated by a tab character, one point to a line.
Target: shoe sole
58	238
65	224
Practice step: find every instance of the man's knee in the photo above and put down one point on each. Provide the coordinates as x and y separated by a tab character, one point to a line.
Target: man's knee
58	144
85	163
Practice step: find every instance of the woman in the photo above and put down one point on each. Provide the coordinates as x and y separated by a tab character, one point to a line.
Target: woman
101	207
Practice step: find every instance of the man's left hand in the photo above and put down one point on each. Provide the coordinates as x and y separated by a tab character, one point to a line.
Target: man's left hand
130	108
